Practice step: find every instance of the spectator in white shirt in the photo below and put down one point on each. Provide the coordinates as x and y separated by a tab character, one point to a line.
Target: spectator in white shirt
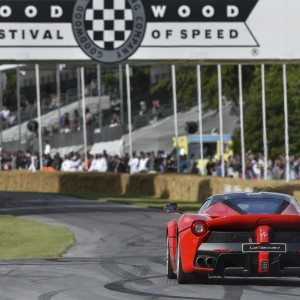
5	113
47	149
143	165
69	164
102	164
134	164
99	164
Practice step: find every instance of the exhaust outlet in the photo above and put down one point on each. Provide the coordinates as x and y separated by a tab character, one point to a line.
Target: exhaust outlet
201	261
210	261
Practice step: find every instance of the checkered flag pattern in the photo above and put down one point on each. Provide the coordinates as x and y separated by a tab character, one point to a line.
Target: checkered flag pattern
109	22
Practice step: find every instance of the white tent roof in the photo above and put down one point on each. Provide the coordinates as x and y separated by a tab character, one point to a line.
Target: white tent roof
112	148
9	67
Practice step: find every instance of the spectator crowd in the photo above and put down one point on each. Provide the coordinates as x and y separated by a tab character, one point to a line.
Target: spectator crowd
149	162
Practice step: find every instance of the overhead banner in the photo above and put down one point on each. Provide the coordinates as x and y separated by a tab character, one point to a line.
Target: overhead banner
111	31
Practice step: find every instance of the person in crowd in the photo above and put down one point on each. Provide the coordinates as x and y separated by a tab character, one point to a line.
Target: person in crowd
115	121
77	162
151	161
219	170
67	123
21	160
159	165
76	120
13	161
235	165
47	148
99	164
88	116
143	163
48	168
54	101
183	164
5	161
115	107
143	108
122	165
193	165
57	161
47	160
11	120
170	164
92	88
156	110
133	164
33	162
69	165
62	122
210	166
5	112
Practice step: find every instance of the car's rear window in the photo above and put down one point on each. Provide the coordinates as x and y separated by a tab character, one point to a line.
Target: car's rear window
253	203
258	206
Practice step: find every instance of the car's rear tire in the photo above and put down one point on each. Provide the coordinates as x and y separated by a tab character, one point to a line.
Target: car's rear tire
170	272
185	278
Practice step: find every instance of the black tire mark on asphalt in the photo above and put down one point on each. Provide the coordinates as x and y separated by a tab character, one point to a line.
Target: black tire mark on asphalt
157	259
115	269
49	295
119	286
9	272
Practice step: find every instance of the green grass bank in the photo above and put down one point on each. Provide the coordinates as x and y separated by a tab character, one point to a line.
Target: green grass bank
21	238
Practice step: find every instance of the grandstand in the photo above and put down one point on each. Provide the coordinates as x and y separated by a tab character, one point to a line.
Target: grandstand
151	132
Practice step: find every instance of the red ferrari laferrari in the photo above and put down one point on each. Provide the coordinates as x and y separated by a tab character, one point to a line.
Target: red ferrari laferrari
235	234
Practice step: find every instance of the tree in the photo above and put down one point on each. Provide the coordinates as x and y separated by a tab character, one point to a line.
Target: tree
274	108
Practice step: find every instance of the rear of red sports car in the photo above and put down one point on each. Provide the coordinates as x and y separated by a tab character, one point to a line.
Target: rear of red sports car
237	234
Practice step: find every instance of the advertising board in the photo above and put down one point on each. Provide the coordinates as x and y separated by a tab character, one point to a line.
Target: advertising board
111	31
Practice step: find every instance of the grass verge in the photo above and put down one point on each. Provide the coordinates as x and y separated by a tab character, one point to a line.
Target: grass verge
22	238
143	202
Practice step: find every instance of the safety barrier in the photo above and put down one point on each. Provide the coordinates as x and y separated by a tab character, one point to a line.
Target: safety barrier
62	140
167	186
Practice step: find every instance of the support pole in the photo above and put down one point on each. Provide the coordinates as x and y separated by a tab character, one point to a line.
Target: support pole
129	110
19	106
38	99
174	87
58	91
121	94
100	99
83	116
264	117
78	89
241	102
199	90
221	120
286	124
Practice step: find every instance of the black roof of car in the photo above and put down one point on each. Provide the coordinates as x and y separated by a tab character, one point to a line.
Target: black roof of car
253	195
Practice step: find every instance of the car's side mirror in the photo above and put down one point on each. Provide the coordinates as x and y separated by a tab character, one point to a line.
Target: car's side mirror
170	208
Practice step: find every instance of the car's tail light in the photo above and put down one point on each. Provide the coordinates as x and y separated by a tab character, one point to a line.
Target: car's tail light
199	228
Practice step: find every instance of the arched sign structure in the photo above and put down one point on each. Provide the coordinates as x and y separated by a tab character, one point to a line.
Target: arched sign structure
149	30
112	31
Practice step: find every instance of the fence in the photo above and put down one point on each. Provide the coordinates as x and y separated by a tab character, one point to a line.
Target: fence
62	140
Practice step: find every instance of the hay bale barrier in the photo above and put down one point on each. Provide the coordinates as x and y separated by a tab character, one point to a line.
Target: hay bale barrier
190	188
24	181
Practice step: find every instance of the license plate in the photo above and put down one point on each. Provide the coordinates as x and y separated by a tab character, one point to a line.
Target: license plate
272	247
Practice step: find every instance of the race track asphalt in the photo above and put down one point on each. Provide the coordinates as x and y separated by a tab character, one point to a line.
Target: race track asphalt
120	254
